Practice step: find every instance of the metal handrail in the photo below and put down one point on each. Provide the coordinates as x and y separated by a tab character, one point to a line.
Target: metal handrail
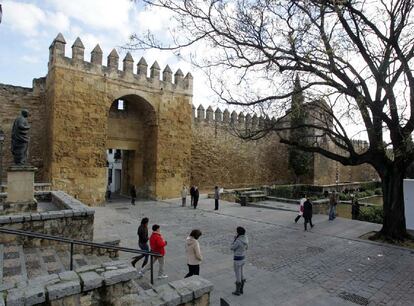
81	242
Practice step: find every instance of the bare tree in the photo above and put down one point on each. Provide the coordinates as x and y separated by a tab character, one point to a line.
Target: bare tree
355	54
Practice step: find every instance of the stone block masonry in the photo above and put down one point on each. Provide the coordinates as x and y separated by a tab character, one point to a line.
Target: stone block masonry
218	157
111	284
72	220
12	100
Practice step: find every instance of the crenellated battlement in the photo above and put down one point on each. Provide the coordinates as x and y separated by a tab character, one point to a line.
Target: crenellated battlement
233	119
176	82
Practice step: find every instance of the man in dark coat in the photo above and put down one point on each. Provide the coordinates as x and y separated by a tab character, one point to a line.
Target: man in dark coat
192	191
133	193
196	196
307	213
355	209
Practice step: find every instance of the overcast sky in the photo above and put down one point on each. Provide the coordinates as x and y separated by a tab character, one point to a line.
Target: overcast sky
29	27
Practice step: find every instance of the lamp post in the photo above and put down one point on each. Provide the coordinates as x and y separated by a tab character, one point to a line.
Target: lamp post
1	157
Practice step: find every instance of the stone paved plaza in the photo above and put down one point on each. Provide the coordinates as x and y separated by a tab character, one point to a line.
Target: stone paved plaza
286	266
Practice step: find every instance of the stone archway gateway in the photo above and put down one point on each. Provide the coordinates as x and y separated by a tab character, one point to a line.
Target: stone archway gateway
155	129
132	129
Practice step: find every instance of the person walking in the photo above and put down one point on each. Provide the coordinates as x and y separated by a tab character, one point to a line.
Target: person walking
333	201
194	257
216	198
307	213
183	196
157	244
300	212
142	233
196	196
192	190
355	210
239	247
133	194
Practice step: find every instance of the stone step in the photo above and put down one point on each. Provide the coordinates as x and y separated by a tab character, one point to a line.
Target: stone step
19	264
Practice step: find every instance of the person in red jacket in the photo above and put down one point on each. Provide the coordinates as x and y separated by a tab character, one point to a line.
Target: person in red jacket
157	244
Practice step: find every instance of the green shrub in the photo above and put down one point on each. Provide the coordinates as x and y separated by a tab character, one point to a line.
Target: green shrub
370	186
370	193
282	191
378	191
374	214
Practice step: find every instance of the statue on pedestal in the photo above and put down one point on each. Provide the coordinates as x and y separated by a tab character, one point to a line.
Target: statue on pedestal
20	138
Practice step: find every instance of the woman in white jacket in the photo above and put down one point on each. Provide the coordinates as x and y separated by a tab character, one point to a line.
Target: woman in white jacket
194	256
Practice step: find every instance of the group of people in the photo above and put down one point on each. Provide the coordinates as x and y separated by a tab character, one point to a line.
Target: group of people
195	195
305	211
157	244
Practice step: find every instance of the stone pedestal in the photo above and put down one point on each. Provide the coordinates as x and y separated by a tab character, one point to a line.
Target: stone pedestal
20	189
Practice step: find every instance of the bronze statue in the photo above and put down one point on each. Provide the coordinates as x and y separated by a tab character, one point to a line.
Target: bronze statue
20	138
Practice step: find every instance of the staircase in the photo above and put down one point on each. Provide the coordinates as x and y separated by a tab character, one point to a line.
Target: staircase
20	264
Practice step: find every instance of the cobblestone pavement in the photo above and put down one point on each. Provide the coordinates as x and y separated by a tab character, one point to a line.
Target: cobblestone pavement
286	266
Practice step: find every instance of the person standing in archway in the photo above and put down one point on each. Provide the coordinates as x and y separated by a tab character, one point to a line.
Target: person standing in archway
133	193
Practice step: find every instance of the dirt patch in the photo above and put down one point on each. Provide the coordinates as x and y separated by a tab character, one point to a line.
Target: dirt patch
407	243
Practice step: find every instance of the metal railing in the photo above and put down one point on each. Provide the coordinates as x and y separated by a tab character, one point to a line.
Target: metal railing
73	242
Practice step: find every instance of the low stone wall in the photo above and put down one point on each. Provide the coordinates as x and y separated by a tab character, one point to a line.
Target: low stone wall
107	284
73	220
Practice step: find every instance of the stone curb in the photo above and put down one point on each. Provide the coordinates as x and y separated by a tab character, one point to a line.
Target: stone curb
54	287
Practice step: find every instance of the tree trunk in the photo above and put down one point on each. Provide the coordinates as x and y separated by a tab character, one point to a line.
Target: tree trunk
394	226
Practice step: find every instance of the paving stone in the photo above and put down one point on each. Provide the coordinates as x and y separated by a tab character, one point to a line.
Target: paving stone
15	297
91	280
185	293
282	259
34	295
35	216
88	268
45	280
4	219
62	289
11	255
168	294
120	275
69	276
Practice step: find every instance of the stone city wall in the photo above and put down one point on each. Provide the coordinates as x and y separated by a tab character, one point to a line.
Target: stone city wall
12	100
109	284
218	157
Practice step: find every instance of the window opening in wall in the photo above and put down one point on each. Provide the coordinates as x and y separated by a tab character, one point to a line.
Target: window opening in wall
110	151
121	104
